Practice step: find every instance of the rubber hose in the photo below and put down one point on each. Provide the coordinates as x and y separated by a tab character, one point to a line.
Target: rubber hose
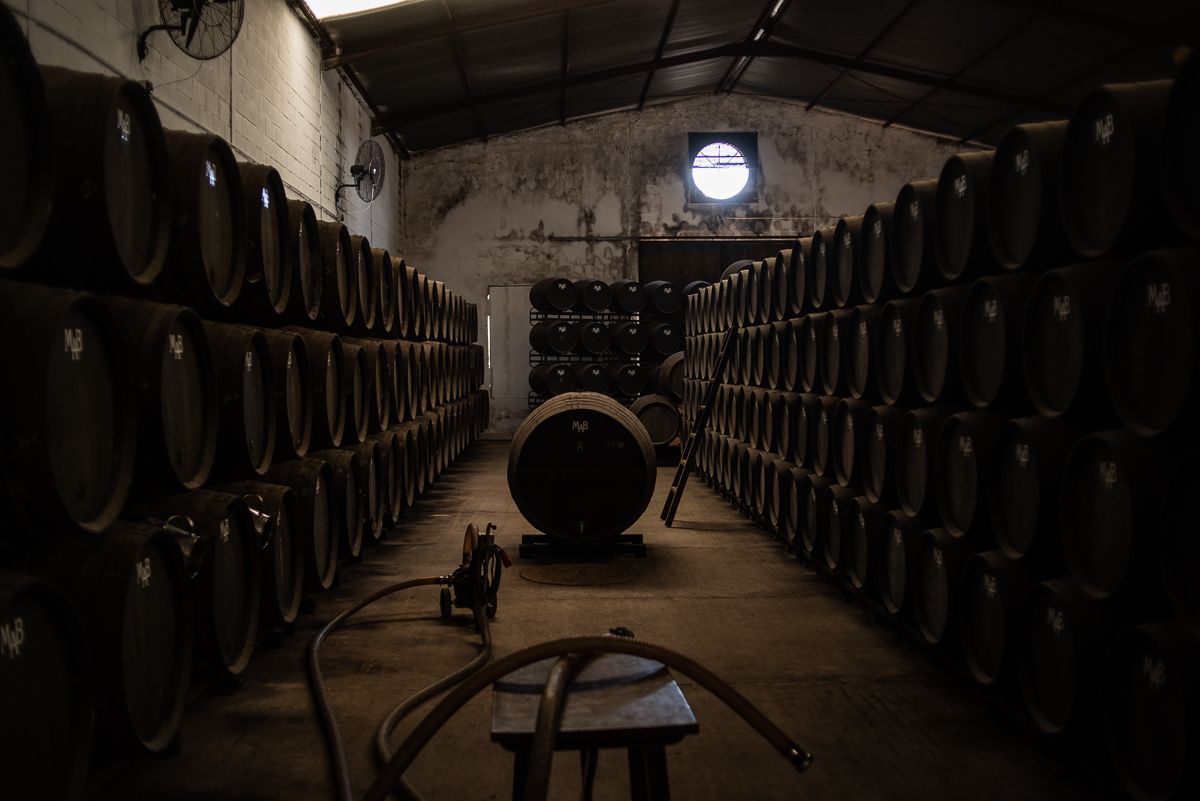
338	766
470	687
549	718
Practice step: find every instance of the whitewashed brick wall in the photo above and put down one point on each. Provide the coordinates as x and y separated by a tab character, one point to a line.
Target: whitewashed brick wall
267	96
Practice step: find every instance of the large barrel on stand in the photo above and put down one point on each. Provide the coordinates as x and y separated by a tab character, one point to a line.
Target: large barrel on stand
112	182
207	261
26	160
68	420
45	688
131	589
581	468
177	393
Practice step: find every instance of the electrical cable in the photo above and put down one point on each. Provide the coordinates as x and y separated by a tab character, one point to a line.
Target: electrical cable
472	686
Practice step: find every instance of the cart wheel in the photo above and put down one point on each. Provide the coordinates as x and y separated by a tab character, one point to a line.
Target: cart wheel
490	609
445	603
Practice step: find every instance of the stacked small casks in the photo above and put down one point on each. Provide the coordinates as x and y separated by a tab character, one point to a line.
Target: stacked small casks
623	339
214	403
975	408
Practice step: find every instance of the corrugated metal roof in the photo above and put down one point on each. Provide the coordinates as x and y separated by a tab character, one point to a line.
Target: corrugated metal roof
439	72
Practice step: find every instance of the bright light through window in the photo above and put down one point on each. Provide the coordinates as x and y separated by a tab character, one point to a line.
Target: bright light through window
322	9
719	171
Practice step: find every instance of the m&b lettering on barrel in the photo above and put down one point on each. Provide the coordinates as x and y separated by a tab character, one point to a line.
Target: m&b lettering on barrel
1154	671
960	186
210	172
12	635
1105	127
1108	474
1021	163
1055	620
1158	297
73	343
1062	308
877	229
1021	452
142	573
175	346
124	124
579	426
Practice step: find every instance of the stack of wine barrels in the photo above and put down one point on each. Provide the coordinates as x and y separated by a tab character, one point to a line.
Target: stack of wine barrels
216	402
975	407
622	339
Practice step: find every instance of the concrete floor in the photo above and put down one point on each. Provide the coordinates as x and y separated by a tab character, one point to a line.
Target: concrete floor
883	720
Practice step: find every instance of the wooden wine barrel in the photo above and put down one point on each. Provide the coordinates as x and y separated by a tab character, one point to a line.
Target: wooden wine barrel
939	574
581	468
835	343
407	434
327	379
46	683
315	521
882	427
816	262
960	244
339	290
775	426
1030	455
206	264
1067	633
668	378
865	541
777	480
372	481
293	393
894	352
553	337
914	464
176	390
804	429
900	537
629	379
663	339
366	279
28	166
657	413
283	560
593	338
389	287
1179	555
553	295
912	237
808	353
112	182
764	278
1112	168
630	337
377	382
792	509
268	275
305	269
993	317
747	312
397	376
790	280
1110	489
814	505
67	437
836	542
1180	170
229	583
1151	341
664	297
552	378
592	296
1151	699
844	266
347	498
820	448
851	439
964	466
246	411
937	327
1023	210
357	367
862	335
1062	341
875	269
995	602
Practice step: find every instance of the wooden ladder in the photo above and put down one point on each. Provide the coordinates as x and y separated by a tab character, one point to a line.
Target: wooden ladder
703	414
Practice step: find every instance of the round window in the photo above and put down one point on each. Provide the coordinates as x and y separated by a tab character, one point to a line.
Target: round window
719	171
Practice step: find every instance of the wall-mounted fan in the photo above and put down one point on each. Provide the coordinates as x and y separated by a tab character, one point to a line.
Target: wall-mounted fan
203	29
368	171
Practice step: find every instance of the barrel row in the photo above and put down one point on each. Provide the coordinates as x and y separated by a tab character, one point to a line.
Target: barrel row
559	295
198	579
591	338
174	216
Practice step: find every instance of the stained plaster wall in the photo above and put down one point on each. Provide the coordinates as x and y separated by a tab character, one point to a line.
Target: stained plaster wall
574	200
